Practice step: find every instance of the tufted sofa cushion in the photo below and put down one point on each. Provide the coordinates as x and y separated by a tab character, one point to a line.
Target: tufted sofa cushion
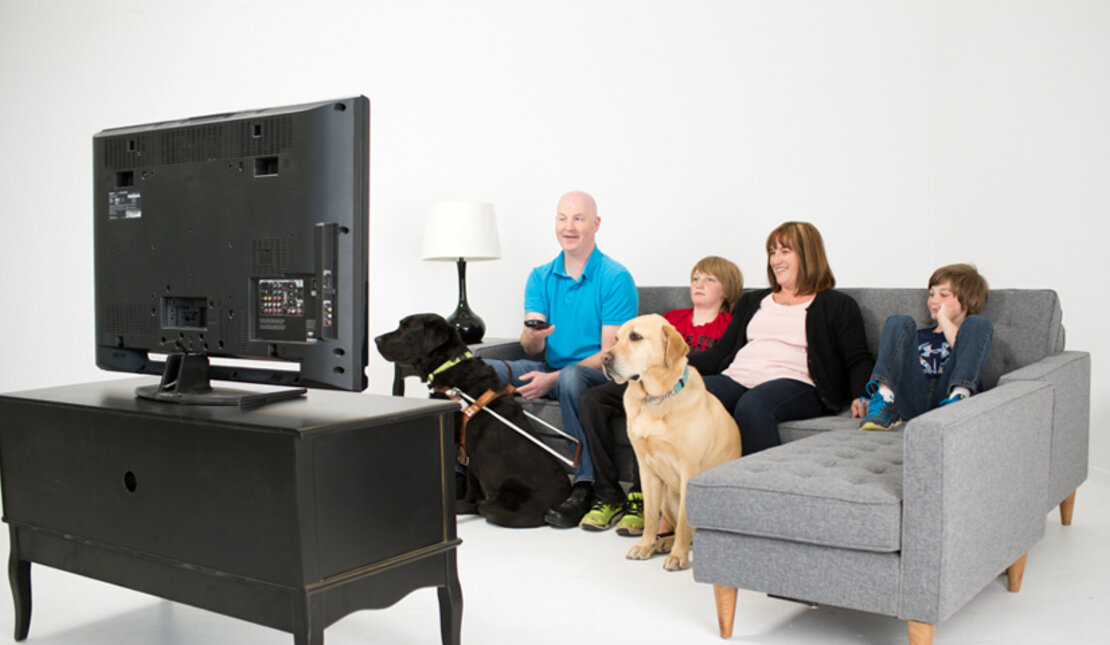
841	488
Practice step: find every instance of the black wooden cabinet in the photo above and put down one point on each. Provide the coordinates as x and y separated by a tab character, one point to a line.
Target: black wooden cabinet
291	515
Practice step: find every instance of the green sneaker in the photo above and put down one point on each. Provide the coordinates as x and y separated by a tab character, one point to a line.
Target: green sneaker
632	524
601	516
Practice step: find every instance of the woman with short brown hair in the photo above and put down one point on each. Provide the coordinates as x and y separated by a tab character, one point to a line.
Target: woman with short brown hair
795	350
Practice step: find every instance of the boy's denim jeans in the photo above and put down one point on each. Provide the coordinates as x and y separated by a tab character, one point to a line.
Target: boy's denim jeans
898	365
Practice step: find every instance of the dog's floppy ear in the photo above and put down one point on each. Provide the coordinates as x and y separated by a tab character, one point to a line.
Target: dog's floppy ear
674	345
436	333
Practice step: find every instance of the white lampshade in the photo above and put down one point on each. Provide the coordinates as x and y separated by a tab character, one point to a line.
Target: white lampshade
466	230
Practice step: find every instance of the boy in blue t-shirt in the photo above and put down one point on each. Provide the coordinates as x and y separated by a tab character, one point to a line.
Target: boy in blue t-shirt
920	369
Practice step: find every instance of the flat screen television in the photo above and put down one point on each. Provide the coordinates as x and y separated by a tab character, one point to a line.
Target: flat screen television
235	236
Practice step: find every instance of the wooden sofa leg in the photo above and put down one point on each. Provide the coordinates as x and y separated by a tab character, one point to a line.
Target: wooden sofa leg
1066	507
921	633
1015	573
726	608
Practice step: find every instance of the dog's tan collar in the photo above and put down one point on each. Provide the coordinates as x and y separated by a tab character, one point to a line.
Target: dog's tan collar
656	400
448	365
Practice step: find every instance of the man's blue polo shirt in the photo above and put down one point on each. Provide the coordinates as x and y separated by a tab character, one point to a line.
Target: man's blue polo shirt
604	294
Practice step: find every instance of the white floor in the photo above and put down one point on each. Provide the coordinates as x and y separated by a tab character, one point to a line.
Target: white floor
540	586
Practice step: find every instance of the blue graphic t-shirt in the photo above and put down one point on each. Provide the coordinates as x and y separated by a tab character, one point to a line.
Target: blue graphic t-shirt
934	351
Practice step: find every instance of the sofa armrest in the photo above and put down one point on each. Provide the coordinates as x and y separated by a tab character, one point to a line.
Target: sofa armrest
973	487
1070	375
506	351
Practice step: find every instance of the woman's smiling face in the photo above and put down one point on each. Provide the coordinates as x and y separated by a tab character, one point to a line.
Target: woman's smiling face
784	263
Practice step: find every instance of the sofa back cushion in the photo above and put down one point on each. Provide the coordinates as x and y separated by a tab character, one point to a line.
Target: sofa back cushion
1028	323
659	300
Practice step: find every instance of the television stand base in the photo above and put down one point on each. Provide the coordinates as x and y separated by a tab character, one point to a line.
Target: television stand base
185	381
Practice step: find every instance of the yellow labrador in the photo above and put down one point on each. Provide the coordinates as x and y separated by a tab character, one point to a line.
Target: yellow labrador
676	428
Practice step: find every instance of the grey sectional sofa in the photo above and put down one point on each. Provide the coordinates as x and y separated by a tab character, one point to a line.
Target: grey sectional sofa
910	523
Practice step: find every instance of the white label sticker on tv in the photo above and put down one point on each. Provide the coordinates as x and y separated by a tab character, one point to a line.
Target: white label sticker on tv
125	204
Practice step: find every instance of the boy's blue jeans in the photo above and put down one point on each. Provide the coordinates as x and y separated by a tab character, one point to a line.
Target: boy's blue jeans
573	381
898	365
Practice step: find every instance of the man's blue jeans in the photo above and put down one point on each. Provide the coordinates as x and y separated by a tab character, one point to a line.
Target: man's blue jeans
573	381
759	410
898	365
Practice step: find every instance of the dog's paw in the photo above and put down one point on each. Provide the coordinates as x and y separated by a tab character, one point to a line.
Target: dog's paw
674	562
663	543
641	552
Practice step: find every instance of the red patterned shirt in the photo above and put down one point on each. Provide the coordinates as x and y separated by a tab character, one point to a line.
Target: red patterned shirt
701	337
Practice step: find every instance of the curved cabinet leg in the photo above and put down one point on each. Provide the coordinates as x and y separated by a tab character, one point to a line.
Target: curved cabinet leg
1066	508
451	604
920	633
306	630
308	638
1014	574
726	608
19	577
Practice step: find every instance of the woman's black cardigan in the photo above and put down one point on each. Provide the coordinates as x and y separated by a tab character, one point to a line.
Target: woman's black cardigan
839	362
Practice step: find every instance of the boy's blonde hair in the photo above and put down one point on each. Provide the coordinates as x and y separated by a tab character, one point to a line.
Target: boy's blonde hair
970	288
727	273
804	239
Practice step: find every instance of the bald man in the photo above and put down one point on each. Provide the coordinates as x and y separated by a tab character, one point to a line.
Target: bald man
584	296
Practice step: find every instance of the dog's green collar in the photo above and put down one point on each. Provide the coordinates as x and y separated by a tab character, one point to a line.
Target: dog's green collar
656	400
448	365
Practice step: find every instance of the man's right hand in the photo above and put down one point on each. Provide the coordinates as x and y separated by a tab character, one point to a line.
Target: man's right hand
534	340
537	384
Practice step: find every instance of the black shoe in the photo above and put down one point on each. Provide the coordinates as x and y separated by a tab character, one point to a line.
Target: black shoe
569	513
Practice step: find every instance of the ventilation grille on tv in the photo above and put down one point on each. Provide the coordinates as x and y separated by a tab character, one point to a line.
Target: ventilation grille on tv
128	320
208	142
233	331
125	152
272	257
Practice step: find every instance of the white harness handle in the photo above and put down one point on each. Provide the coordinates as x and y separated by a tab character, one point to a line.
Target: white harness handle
456	392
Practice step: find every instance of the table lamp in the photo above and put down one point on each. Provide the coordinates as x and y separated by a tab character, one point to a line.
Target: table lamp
458	232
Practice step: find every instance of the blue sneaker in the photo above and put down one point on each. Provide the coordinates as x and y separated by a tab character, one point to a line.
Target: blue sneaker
881	414
952	398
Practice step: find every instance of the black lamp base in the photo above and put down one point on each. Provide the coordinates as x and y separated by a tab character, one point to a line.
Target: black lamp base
471	328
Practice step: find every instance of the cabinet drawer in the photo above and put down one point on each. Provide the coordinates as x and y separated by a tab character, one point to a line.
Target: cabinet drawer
211	495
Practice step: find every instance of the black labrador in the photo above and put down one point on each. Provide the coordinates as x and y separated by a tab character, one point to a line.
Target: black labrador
519	480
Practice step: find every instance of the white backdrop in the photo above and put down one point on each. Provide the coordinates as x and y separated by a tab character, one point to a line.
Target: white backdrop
913	134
